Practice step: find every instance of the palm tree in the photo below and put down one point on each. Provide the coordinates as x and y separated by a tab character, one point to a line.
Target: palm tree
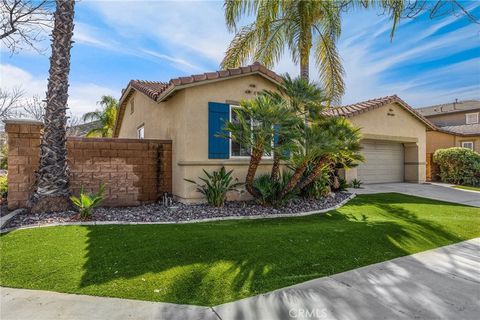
107	117
298	25
257	123
306	99
52	192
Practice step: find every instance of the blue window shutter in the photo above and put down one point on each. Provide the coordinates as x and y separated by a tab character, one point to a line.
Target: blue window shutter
218	114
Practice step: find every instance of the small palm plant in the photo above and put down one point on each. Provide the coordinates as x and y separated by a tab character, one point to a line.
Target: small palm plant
216	185
87	201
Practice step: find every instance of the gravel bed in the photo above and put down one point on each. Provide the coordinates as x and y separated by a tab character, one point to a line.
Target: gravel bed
179	212
3	210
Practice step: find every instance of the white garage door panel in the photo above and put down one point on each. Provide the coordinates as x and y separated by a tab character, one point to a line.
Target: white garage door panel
384	162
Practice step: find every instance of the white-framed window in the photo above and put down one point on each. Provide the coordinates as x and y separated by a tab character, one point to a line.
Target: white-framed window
236	150
141	132
467	144
471	118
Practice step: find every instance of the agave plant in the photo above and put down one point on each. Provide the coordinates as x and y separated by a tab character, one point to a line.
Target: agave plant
86	202
216	185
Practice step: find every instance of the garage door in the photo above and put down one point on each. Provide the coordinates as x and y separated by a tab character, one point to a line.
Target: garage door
384	162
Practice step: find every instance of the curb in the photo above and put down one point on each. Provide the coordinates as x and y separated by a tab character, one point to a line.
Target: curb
5	219
100	223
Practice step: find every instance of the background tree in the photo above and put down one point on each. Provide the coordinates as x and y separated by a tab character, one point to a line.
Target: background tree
10	103
23	23
107	117
300	26
304	27
52	187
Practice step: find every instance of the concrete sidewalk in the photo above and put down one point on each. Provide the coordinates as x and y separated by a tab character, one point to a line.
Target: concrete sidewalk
443	283
431	191
439	284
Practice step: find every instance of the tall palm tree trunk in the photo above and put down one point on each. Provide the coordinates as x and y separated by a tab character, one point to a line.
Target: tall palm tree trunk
52	190
304	69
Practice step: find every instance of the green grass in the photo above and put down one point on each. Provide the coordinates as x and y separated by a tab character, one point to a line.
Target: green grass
468	188
217	262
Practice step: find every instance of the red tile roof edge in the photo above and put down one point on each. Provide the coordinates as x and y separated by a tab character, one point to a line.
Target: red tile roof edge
365	106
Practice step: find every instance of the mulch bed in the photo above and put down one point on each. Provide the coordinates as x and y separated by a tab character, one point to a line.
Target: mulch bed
179	212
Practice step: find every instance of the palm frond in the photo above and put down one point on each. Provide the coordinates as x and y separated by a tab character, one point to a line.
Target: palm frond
330	67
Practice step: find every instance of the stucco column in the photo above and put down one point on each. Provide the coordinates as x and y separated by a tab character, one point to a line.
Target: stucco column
24	138
415	170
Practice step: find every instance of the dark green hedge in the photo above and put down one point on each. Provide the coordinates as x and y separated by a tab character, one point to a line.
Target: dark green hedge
458	165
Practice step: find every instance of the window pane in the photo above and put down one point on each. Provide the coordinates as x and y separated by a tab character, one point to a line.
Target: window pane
236	149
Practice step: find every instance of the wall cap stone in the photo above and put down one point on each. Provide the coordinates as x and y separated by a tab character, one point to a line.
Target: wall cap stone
23	121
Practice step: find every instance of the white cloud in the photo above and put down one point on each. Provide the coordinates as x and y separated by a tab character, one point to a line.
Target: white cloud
83	96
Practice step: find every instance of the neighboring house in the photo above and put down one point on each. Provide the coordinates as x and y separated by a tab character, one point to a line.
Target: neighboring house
81	130
191	111
458	125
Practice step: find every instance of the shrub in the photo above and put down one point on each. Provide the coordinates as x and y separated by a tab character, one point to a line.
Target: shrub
320	187
339	184
3	186
458	165
356	183
86	202
216	186
3	157
269	190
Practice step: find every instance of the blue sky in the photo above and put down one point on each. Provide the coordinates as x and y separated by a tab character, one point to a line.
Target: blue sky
428	61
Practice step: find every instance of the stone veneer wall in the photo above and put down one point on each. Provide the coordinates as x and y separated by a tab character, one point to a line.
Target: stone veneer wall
134	171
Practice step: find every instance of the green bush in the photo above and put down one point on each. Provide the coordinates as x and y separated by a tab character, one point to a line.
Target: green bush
458	165
320	187
3	186
216	186
268	190
86	202
3	157
356	183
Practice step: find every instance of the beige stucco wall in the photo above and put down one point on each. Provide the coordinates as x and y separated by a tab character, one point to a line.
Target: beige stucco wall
440	140
184	120
393	123
451	119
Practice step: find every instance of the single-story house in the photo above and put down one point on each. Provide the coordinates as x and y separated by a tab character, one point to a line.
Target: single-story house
190	111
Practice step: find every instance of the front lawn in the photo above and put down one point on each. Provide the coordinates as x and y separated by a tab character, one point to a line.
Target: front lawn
216	262
468	188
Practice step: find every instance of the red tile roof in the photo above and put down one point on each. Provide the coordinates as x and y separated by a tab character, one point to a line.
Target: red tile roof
159	91
365	106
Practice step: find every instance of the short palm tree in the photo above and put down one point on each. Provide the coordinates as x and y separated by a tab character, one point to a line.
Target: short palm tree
301	26
52	192
257	124
107	117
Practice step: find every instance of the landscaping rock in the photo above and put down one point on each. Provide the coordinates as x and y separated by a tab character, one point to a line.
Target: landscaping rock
180	212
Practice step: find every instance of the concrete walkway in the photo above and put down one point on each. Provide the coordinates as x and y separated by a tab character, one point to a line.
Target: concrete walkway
442	283
437	192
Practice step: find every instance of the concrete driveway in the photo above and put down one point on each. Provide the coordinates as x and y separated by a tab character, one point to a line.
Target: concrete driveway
431	191
443	283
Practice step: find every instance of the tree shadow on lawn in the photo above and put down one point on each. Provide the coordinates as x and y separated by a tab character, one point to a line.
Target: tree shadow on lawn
213	263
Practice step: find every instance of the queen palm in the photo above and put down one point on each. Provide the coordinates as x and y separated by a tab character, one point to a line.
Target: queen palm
300	26
107	117
51	192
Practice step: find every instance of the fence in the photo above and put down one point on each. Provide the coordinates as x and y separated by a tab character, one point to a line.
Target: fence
134	171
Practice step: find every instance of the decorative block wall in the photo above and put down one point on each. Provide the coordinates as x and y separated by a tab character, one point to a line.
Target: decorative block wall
134	171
